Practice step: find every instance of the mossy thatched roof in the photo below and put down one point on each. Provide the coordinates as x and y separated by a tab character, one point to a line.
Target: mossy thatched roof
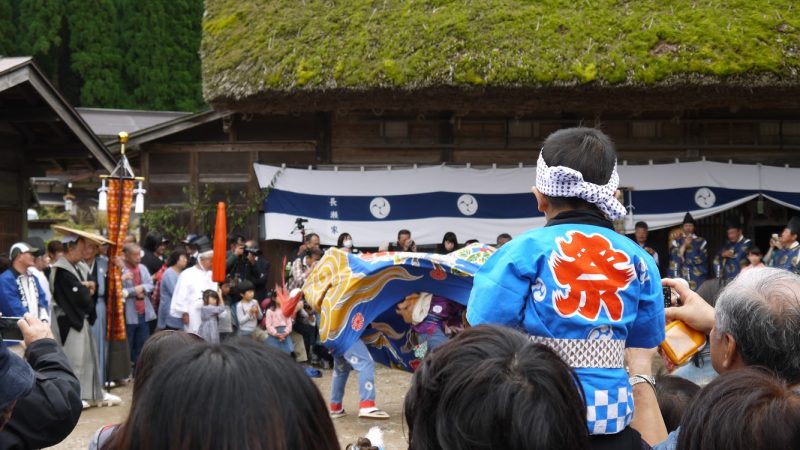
263	50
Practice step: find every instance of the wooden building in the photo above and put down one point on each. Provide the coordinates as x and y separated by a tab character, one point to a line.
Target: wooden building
39	132
399	83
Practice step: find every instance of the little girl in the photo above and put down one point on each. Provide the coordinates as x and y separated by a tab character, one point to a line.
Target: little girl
209	314
279	328
247	311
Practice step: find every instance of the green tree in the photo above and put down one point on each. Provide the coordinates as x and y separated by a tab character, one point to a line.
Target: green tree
41	34
95	51
162	65
8	30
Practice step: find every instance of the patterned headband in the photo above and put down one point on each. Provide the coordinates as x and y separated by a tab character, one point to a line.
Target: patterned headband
562	181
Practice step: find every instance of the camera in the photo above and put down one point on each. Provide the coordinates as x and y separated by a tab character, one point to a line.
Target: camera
252	251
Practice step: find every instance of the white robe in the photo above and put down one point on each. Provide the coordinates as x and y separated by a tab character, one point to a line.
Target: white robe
188	295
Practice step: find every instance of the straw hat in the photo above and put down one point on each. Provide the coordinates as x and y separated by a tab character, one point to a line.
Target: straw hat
75	233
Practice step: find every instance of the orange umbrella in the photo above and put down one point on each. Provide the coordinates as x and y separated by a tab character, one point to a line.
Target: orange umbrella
220	245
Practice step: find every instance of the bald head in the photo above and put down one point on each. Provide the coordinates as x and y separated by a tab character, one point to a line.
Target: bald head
761	310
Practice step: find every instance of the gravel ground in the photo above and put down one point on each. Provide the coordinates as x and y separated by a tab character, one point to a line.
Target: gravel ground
391	384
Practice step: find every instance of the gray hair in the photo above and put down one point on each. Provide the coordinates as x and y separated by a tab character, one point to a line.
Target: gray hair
131	247
761	310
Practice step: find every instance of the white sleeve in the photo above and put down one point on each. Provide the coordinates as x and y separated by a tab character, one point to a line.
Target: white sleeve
178	307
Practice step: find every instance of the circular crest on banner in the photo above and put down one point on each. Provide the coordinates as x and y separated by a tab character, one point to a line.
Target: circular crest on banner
467	204
705	198
380	207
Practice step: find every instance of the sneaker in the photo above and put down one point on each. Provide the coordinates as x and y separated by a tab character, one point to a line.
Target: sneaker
313	373
338	414
110	385
109	400
372	413
85	404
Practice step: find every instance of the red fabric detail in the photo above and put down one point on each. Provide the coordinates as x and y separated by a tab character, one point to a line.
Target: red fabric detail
120	199
336	407
366	404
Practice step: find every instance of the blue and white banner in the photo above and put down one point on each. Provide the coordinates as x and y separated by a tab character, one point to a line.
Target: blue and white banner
372	205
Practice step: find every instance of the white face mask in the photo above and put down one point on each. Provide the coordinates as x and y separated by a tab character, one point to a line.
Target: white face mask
348	243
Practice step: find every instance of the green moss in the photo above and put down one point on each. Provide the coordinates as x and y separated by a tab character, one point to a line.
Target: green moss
253	45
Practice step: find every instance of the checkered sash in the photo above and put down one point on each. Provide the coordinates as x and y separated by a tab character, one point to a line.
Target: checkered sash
587	353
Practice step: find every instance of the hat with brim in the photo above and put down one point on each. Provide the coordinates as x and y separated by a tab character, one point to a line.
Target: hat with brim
73	234
688	219
16	377
204	245
20	248
37	242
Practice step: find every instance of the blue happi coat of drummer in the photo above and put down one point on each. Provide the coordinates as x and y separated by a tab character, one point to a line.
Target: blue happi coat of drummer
787	258
582	288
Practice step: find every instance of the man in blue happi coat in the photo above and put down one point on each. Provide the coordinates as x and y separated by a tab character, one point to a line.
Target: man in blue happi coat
784	253
576	285
732	257
688	255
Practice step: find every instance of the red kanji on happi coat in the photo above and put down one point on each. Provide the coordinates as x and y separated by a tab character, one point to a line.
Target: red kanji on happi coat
593	273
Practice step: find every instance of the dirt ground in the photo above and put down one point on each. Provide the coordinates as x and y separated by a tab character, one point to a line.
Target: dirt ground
391	384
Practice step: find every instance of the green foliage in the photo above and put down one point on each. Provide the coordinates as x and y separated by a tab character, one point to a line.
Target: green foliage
95	55
239	209
252	46
161	39
140	54
8	29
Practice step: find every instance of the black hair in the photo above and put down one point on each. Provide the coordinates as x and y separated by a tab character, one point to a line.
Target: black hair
448	237
674	395
503	236
152	241
186	406
470	242
755	250
492	388
641	224
309	236
244	286
745	409
54	247
174	257
340	241
235	239
402	232
209	293
586	150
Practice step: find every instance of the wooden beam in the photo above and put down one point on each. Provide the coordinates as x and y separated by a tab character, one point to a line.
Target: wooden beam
221	147
33	114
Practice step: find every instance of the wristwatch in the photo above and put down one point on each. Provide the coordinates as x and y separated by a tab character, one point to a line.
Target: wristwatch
638	378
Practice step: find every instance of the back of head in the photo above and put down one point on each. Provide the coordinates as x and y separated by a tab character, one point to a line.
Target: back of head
761	310
230	396
674	396
491	388
152	241
586	150
158	348
746	409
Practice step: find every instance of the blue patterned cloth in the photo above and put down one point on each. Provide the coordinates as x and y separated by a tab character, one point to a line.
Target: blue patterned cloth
582	282
728	268
788	259
693	266
356	296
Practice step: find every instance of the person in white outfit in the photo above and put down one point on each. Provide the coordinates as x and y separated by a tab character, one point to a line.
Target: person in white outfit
187	299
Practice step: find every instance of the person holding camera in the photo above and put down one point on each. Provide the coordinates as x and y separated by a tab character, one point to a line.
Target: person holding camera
40	400
246	263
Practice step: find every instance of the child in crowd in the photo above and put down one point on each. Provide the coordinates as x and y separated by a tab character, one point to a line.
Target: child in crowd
576	285
210	313
247	311
279	327
225	320
755	257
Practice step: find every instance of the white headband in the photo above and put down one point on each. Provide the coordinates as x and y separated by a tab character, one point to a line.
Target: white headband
562	181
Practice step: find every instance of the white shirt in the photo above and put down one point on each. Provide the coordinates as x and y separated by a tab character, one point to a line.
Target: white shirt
188	295
41	313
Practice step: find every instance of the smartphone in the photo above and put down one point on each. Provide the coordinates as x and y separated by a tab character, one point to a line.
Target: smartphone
667	291
9	330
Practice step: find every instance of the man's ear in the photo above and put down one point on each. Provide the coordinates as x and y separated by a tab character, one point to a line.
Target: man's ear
731	357
541	200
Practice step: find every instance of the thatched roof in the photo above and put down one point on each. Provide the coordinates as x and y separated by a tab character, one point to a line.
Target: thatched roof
261	54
